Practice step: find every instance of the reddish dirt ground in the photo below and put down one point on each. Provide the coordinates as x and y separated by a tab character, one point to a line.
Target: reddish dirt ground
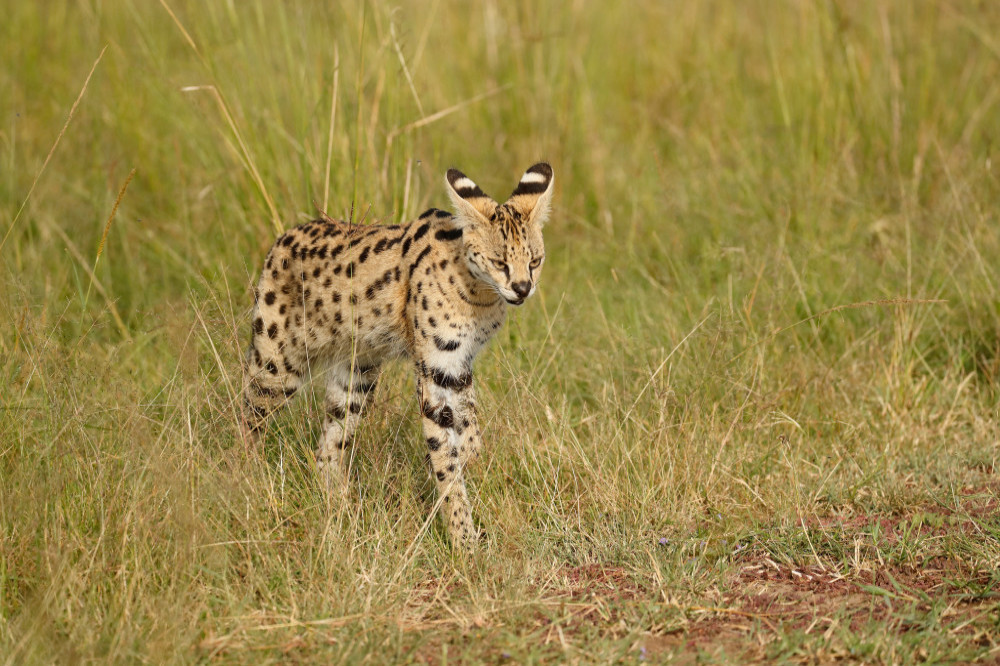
762	600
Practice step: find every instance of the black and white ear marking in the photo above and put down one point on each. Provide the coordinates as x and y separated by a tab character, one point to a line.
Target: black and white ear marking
533	194
469	200
536	180
463	185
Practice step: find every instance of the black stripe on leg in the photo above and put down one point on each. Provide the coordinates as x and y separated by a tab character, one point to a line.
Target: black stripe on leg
259	412
446	381
443	417
264	391
446	345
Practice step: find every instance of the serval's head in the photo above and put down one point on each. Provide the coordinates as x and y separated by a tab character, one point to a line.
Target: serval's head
503	242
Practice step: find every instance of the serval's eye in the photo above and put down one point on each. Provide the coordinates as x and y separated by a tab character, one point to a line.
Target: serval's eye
499	264
536	262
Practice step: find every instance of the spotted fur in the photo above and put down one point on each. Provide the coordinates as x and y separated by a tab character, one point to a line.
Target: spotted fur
342	299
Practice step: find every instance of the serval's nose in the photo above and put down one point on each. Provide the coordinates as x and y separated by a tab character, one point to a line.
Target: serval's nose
522	288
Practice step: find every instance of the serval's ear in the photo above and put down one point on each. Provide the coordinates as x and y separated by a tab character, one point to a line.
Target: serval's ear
472	205
533	195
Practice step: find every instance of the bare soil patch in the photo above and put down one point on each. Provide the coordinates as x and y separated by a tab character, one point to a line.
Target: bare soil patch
764	599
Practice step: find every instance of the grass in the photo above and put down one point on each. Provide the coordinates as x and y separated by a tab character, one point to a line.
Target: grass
750	414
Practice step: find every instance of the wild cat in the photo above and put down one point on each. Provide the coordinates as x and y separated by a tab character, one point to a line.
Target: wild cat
345	298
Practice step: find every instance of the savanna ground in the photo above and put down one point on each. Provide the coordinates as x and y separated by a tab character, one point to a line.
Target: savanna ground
751	413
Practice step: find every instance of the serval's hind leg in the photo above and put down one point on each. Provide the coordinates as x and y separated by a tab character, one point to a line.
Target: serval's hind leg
347	395
271	380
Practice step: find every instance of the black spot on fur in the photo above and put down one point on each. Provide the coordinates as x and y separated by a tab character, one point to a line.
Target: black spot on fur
446	345
446	417
446	381
448	234
443	417
397	240
416	262
421	231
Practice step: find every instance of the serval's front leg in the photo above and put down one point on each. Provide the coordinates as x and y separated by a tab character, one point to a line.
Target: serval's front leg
446	418
470	436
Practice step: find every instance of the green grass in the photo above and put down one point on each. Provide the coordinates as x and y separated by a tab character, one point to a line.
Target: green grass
750	414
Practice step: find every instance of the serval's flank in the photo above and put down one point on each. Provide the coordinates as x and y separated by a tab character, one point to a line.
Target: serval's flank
342	299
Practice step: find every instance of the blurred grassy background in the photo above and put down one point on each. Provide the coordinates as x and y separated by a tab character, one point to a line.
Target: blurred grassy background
770	293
